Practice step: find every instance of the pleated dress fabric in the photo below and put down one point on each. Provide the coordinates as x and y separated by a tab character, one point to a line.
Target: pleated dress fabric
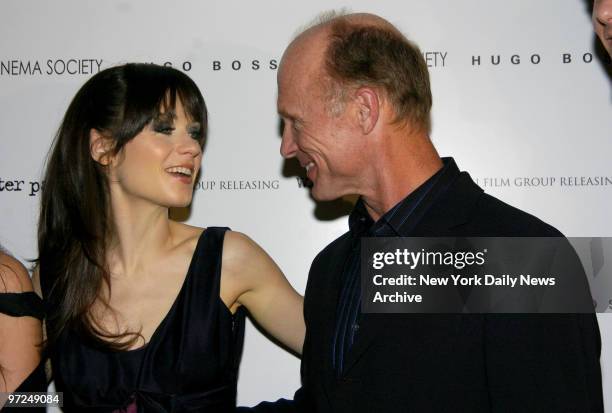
190	364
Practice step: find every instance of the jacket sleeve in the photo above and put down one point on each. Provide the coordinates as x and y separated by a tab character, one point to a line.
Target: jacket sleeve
547	361
306	398
543	362
301	403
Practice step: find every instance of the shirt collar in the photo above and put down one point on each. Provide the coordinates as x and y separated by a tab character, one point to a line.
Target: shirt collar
401	218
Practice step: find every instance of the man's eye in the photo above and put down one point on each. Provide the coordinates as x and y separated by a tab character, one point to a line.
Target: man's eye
295	125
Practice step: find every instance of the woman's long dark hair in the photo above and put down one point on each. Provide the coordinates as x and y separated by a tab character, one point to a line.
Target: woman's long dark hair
75	224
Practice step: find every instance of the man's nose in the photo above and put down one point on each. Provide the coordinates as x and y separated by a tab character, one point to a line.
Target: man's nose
288	147
603	11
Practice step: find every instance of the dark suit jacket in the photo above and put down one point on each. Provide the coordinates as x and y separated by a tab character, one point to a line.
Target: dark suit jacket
448	363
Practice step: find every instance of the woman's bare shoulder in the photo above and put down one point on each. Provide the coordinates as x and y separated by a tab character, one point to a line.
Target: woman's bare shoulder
245	257
239	247
14	278
185	237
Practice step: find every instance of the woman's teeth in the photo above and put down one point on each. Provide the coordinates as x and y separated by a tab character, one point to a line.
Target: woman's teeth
180	170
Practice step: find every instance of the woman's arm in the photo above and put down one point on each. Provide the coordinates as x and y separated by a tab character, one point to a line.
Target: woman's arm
255	281
20	337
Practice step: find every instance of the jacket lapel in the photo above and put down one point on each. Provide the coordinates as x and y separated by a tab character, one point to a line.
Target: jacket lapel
326	299
439	214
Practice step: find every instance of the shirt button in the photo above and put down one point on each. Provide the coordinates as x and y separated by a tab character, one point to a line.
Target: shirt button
355	327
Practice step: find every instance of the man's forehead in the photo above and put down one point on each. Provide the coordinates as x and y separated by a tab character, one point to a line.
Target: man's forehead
300	71
293	96
294	78
302	61
290	97
309	46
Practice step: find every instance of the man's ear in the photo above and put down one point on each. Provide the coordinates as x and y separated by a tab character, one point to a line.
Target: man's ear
100	147
368	109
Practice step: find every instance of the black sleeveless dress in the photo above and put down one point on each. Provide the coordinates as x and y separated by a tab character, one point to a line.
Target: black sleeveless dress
26	304
190	363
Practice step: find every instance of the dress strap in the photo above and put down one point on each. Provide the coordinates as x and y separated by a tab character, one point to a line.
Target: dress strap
215	239
206	261
22	305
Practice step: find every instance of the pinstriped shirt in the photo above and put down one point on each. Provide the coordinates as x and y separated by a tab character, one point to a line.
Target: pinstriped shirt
396	222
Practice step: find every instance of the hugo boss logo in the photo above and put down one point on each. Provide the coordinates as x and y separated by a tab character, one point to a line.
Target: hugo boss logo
184	66
237	65
531	59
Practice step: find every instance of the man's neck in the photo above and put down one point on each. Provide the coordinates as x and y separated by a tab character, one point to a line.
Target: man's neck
399	171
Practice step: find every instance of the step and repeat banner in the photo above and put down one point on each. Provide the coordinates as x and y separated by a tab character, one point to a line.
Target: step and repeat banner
522	100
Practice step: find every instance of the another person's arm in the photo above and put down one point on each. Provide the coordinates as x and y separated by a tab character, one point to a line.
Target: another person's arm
20	337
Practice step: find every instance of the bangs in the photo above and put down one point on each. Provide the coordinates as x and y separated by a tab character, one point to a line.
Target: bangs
193	105
153	90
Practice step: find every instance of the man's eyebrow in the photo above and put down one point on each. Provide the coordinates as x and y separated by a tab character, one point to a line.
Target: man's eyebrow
283	113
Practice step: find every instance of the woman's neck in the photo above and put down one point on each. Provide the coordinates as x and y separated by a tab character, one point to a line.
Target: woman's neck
141	232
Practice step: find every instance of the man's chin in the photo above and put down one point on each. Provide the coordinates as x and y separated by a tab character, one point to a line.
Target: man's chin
320	195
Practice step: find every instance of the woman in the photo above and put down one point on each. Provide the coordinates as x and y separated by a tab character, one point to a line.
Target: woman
146	314
20	331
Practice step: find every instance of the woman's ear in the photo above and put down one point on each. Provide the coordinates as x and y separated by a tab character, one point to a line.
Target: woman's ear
100	147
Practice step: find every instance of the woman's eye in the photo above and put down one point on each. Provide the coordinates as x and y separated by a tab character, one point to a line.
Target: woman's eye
197	135
165	130
163	127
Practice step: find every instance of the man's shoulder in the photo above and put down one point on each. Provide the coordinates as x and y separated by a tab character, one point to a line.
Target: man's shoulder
494	217
334	248
464	209
323	269
328	258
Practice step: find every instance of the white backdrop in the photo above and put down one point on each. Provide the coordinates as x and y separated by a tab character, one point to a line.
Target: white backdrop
519	96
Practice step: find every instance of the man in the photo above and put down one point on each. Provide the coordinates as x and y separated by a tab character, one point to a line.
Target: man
355	99
602	22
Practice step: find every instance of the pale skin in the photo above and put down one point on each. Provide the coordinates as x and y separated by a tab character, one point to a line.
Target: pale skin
19	336
602	22
150	254
360	151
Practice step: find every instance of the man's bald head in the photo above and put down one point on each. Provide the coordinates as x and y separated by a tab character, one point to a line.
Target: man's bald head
342	52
